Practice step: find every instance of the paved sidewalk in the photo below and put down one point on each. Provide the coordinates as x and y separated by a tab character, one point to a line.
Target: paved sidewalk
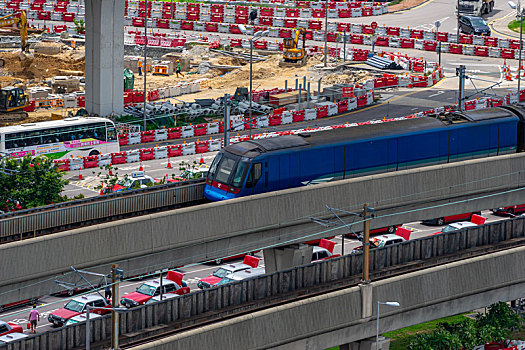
500	26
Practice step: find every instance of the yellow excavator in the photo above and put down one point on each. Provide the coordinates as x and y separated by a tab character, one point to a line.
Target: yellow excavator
20	19
13	100
293	55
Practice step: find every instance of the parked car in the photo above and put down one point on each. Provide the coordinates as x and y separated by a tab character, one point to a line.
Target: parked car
11	337
473	25
164	297
475	221
402	235
172	284
82	318
212	280
77	306
451	218
324	251
8	328
242	275
137	180
510	210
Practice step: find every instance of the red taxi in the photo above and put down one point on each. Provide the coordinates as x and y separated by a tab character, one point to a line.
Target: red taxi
8	327
77	306
172	284
212	280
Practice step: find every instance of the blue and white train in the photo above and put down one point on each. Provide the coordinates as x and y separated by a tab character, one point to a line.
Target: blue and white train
259	166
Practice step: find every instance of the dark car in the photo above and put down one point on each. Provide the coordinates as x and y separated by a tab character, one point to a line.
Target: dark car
473	25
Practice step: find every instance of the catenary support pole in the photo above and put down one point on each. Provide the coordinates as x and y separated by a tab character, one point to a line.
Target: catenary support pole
114	305
226	120
145	65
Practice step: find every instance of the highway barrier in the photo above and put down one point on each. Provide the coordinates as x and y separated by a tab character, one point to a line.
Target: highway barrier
30	223
285	286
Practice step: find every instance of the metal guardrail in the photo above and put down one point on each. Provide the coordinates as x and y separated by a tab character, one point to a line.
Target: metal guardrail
234	299
53	218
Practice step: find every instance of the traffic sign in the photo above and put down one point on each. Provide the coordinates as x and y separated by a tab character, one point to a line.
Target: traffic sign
373	25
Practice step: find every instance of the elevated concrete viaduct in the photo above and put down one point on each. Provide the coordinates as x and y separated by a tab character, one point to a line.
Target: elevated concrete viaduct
349	315
213	230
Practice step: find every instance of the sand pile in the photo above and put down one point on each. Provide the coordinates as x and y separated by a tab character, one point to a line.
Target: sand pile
43	66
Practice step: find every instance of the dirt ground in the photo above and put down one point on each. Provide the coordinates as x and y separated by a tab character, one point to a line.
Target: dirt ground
266	74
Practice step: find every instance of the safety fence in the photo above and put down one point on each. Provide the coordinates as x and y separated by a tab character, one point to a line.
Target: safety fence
231	13
357	34
256	292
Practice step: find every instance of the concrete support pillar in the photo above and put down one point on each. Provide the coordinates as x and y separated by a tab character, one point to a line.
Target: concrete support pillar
366	300
105	56
282	258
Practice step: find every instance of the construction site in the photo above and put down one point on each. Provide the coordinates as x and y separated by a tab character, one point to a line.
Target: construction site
53	77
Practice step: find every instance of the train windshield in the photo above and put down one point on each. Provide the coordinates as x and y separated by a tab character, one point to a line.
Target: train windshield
229	169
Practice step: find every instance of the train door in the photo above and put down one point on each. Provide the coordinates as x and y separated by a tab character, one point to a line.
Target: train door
257	179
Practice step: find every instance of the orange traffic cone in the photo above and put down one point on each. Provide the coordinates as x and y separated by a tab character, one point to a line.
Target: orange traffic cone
141	168
201	161
168	166
111	173
80	177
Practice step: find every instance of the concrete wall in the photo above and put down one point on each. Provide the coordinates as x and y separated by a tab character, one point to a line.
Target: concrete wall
216	303
334	318
209	231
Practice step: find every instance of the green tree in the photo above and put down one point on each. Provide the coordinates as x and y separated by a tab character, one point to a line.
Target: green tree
80	26
107	180
31	182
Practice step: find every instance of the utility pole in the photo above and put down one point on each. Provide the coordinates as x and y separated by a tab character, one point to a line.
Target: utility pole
226	120
251	82
344	47
325	32
460	72
114	305
457	23
160	276
366	244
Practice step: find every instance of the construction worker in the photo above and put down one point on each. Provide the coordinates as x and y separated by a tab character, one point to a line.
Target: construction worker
178	69
140	64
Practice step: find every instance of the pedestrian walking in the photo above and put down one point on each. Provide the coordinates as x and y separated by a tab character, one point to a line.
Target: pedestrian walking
178	69
139	66
34	317
107	292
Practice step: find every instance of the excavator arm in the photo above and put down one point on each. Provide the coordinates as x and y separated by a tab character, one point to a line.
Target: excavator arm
11	19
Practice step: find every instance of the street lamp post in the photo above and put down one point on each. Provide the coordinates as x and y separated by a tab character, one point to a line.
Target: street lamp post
519	13
253	39
388	303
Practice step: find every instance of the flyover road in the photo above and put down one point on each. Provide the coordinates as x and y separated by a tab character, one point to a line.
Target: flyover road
193	274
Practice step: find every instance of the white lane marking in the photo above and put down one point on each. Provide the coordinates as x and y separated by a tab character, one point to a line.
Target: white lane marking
437	93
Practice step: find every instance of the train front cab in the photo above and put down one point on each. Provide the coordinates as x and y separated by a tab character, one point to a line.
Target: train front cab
231	176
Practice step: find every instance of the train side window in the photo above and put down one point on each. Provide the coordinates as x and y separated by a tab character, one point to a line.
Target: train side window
254	175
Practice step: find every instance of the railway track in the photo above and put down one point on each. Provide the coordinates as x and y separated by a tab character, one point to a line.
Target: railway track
31	223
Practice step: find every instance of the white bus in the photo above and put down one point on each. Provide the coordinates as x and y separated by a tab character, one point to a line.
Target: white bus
76	136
